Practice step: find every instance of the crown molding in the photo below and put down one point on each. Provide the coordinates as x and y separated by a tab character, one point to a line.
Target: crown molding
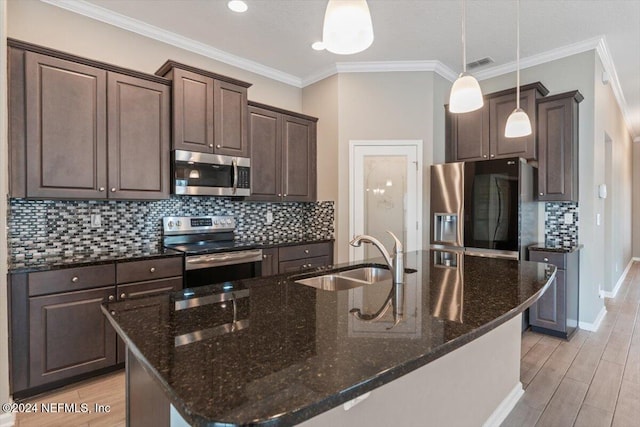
381	67
107	16
599	44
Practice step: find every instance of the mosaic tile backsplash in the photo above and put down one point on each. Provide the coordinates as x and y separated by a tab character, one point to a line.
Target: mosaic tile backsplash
39	228
558	232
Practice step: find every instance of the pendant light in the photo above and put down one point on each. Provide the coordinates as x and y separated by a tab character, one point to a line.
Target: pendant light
347	26
518	123
466	94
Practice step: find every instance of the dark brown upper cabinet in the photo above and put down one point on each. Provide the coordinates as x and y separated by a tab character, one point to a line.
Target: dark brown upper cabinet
209	111
81	129
479	135
283	155
138	136
558	150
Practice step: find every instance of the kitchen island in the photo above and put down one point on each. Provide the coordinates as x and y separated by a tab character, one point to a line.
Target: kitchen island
275	352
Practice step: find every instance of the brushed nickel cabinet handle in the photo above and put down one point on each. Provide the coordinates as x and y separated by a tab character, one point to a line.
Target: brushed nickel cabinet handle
218	146
111	297
101	189
123	295
484	156
113	189
279	194
74	279
210	145
542	194
152	270
493	155
546	259
306	251
264	257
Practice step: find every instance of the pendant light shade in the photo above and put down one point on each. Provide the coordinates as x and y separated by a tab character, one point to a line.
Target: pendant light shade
466	94
518	123
347	27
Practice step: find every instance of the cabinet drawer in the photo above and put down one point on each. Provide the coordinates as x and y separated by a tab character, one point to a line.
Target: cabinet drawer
151	287
555	258
289	253
71	279
138	271
298	264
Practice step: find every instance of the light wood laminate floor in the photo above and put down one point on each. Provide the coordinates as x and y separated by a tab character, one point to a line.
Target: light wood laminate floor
591	381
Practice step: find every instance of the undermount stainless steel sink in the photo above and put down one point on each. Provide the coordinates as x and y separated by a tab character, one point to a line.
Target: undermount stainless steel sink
348	279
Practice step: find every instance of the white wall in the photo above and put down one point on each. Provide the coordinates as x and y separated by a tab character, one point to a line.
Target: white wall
636	199
50	26
5	419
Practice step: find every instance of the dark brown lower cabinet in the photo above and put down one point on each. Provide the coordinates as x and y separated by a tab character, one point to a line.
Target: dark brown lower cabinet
299	257
69	335
269	262
556	312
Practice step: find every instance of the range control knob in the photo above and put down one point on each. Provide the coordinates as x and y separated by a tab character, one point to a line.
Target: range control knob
229	221
170	224
216	222
178	223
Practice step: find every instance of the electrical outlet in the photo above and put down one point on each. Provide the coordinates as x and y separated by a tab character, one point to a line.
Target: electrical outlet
269	217
597	219
96	221
568	218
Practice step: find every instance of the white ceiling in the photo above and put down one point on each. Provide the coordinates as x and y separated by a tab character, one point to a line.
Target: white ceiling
275	35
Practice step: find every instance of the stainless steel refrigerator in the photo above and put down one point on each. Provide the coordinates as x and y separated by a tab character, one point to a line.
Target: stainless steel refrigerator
485	208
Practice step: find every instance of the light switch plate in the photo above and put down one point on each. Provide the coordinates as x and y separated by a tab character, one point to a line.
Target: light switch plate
568	218
269	217
96	221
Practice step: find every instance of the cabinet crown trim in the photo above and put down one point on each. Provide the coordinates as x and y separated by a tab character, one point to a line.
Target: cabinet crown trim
171	64
22	45
282	111
575	94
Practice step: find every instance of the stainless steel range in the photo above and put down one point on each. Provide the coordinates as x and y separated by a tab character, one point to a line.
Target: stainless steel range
212	253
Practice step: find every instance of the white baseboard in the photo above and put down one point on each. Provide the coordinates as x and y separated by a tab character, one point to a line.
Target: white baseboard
505	407
596	323
616	288
7	420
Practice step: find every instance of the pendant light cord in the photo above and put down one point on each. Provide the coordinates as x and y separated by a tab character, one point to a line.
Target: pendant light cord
464	47
518	55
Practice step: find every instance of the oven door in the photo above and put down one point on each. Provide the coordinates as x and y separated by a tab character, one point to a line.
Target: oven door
208	269
210	174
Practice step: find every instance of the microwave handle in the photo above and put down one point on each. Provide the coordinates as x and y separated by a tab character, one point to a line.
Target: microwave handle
235	175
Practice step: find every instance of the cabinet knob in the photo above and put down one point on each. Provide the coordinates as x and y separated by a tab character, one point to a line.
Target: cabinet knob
542	194
279	194
285	194
111	298
218	146
101	189
306	251
74	279
493	155
484	155
264	257
123	295
113	313
152	270
210	145
113	189
546	259
309	265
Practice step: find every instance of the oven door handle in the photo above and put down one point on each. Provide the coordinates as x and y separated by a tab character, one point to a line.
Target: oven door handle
235	175
217	260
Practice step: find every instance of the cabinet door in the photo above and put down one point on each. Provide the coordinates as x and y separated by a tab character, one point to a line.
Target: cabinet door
468	135
138	135
230	119
500	108
558	164
69	335
549	312
269	262
299	160
66	128
135	290
265	134
192	111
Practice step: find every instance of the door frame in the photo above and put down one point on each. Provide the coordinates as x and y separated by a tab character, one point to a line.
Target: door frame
353	144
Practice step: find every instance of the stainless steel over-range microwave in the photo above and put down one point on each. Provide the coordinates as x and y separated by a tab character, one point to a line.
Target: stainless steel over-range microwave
203	174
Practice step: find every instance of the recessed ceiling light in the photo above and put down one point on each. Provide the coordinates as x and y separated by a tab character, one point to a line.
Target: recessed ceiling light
238	6
318	46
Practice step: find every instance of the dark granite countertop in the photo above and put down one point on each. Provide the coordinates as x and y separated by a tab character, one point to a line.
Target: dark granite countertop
266	244
295	351
83	259
559	249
